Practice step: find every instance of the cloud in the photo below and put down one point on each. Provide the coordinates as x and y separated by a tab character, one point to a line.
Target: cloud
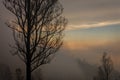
84	13
81	13
92	25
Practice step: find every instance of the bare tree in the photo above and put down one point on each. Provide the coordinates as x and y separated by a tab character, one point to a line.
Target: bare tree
106	68
5	72
38	75
19	74
37	30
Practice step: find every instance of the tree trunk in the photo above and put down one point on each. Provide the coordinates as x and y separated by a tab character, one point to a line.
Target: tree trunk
28	65
28	71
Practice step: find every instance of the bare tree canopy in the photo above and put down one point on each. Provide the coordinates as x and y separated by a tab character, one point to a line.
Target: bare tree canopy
106	68
37	29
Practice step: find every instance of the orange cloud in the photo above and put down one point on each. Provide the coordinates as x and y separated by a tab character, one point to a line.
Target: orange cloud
83	45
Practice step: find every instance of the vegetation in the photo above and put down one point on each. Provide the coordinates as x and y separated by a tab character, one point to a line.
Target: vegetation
37	30
106	68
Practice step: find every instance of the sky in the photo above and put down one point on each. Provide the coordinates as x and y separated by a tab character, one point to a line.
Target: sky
93	28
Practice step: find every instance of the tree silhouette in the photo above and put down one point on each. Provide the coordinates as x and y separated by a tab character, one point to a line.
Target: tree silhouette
37	30
38	75
5	72
106	68
19	74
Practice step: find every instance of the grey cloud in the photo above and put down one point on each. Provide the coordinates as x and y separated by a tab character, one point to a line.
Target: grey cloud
83	11
87	11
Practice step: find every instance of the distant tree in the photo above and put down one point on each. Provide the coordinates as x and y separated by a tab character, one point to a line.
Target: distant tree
88	70
37	30
105	69
38	75
5	72
19	74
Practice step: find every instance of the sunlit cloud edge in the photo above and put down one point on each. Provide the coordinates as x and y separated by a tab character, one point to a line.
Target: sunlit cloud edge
91	25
